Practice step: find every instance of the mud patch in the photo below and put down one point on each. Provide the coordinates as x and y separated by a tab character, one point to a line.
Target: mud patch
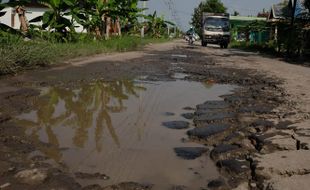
176	124
208	131
190	153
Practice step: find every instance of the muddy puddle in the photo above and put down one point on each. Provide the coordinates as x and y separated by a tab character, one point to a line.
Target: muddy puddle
116	129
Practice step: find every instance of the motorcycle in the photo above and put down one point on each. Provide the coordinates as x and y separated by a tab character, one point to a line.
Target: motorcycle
190	39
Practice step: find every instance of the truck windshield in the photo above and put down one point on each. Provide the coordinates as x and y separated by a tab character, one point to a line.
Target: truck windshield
216	24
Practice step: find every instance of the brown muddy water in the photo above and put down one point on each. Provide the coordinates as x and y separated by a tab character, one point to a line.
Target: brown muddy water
115	128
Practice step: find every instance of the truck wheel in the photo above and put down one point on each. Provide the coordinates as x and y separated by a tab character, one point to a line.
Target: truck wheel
222	46
204	44
225	46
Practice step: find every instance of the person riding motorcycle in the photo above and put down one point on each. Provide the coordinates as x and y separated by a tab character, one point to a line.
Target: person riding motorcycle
190	35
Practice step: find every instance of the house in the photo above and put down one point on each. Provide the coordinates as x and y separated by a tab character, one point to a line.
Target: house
277	14
282	12
238	25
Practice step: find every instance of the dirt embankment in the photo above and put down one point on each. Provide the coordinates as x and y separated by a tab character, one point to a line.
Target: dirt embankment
259	134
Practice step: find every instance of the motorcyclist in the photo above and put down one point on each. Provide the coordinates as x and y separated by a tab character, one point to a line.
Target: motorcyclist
191	31
190	35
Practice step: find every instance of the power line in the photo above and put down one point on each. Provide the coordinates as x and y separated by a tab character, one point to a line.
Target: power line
174	12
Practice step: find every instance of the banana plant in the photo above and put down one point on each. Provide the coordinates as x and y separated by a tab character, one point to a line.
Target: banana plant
89	14
157	24
130	12
56	17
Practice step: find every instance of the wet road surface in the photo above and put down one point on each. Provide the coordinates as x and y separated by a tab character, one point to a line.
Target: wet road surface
169	117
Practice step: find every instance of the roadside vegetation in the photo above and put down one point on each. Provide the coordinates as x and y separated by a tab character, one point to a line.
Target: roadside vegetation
17	54
108	25
292	39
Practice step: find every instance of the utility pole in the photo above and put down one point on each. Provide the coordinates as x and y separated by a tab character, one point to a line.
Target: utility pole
174	13
291	28
144	7
293	13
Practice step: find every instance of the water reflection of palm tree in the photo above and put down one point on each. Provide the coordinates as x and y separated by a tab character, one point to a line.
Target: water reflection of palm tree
78	108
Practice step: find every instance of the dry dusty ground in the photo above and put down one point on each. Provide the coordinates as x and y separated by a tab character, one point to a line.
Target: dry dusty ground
266	143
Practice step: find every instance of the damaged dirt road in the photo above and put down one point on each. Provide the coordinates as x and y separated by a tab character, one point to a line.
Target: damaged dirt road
170	116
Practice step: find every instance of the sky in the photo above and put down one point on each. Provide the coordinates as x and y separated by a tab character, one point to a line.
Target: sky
185	8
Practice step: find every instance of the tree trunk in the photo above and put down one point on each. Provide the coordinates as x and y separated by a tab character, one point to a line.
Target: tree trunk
107	21
97	32
108	27
118	26
22	18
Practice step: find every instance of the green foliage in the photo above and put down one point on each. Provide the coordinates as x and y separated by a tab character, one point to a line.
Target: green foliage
89	14
292	39
62	17
211	6
255	26
55	19
157	25
267	47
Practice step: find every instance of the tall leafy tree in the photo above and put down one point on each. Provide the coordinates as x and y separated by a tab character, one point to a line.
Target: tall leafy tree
211	6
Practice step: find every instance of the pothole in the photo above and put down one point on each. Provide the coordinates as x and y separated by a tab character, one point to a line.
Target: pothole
114	129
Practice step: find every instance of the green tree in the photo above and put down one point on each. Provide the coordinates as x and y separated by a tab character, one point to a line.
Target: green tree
211	6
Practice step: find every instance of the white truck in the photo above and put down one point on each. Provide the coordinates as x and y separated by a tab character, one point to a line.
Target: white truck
215	29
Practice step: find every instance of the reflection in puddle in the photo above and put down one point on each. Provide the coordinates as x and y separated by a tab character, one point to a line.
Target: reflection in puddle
115	128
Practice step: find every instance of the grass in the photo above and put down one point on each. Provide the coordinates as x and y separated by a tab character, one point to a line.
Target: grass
268	48
17	54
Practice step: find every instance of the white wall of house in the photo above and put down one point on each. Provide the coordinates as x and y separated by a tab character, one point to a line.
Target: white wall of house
33	12
6	19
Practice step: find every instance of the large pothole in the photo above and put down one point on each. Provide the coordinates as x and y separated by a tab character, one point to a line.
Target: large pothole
112	132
